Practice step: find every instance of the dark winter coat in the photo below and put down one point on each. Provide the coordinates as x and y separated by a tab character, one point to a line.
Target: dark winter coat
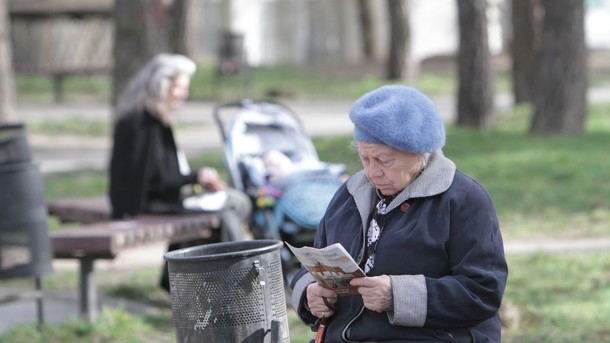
144	171
444	255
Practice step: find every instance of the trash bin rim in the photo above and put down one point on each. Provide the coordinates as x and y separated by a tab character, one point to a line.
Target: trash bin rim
16	125
263	246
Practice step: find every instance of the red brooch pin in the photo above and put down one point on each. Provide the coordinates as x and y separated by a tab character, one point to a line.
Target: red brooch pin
404	207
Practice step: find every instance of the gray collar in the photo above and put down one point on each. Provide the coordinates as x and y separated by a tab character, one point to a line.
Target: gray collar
435	179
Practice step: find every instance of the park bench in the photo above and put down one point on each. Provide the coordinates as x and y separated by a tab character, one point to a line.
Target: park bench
99	237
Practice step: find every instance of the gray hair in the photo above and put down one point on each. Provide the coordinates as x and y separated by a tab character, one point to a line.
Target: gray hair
148	89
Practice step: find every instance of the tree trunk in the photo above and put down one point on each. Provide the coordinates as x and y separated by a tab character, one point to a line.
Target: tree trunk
141	32
561	78
184	28
476	91
526	33
398	65
366	24
7	90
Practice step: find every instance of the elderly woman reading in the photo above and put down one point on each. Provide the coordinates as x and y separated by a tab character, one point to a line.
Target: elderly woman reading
426	235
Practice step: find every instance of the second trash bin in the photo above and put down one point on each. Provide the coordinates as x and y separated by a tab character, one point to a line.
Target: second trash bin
228	292
14	147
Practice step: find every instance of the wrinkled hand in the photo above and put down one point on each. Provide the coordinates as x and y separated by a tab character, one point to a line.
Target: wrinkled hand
209	178
315	300
376	292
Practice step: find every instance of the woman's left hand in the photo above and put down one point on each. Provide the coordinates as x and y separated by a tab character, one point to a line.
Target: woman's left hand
209	178
376	292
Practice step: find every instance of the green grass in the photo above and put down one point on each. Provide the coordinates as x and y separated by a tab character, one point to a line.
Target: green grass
325	82
560	298
554	298
114	325
322	81
39	89
75	126
541	185
85	183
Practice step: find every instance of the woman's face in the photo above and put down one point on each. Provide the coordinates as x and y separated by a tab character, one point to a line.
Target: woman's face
388	169
178	90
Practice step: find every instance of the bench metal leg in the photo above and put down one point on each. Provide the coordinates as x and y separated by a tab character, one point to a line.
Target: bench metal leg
88	289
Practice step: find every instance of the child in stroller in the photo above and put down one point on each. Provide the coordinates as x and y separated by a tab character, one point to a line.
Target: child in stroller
269	157
276	164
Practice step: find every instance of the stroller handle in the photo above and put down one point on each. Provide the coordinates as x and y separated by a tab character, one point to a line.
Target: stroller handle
221	121
225	115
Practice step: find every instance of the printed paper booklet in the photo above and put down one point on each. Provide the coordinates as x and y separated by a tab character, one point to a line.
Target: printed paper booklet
333	267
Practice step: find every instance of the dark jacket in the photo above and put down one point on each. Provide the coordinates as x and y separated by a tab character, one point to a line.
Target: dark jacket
144	171
444	255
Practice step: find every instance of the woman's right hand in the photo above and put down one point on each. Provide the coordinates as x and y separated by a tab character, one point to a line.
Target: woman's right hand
210	180
319	299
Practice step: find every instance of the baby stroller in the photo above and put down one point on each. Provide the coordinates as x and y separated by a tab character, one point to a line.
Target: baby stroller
287	206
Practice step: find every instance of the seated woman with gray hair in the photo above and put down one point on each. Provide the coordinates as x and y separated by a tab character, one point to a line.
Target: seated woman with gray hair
148	172
425	234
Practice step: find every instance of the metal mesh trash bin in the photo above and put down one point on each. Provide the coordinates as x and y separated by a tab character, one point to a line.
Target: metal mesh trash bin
228	292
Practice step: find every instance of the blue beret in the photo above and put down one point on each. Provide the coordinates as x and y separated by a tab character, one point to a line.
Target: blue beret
398	116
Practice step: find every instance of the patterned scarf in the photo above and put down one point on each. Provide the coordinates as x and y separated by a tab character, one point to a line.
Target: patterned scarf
374	231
